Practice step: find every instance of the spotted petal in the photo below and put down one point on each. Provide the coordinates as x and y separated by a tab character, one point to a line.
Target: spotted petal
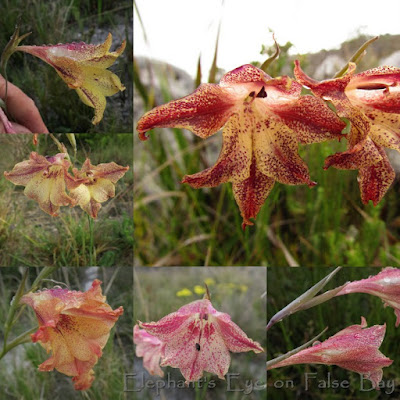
198	338
354	348
74	327
83	67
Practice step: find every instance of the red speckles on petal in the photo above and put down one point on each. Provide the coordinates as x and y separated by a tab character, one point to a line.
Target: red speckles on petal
371	102
385	285
355	348
234	160
311	119
245	74
276	153
375	180
250	194
195	343
203	112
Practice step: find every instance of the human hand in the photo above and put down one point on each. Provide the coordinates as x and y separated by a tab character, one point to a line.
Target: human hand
22	109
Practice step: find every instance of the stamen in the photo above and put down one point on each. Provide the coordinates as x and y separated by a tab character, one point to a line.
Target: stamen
262	93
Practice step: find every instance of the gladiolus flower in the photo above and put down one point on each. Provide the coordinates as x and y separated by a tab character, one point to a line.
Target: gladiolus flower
150	348
98	185
45	180
385	285
75	327
354	348
83	67
370	100
198	338
264	119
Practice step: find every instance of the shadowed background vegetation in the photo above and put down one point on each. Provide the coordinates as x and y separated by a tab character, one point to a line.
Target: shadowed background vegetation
63	21
240	292
323	226
285	285
19	376
30	237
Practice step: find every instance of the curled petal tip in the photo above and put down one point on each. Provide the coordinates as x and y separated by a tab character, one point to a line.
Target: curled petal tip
312	184
143	136
246	223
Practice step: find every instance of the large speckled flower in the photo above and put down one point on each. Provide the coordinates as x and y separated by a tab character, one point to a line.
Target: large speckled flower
370	100
45	180
264	119
74	327
83	67
150	348
199	338
355	348
98	185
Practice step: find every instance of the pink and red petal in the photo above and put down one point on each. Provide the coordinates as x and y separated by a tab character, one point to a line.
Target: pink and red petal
204	112
251	193
311	119
377	88
375	180
362	155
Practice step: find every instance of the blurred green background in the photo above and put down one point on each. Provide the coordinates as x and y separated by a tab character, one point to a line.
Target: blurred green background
19	376
240	292
61	21
323	226
285	285
30	237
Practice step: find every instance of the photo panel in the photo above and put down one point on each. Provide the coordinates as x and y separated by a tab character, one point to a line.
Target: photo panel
66	200
199	333
66	332
332	333
74	60
265	145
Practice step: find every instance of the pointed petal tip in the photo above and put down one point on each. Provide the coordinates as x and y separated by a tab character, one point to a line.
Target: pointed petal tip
246	223
142	136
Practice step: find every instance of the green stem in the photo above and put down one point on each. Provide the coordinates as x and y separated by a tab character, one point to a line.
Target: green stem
356	56
269	61
215	226
23	338
92	256
44	273
13	309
